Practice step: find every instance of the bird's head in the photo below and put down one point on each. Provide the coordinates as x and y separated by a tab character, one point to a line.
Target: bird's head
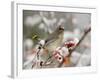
60	28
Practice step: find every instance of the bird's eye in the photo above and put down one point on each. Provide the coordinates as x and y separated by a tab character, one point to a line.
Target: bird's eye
61	28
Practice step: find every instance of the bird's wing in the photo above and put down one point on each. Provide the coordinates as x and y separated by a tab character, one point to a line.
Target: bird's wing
50	40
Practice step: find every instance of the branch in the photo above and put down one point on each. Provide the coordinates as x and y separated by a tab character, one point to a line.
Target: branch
82	38
71	51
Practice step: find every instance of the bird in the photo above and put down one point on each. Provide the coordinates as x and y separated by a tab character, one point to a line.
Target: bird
54	39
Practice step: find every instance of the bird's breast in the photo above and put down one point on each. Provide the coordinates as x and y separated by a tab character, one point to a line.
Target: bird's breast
53	45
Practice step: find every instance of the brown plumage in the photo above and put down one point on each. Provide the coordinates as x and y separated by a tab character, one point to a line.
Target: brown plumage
54	40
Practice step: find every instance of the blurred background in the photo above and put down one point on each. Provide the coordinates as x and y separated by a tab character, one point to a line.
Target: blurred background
43	23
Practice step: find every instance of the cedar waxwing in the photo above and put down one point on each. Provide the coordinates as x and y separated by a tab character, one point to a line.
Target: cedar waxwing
54	40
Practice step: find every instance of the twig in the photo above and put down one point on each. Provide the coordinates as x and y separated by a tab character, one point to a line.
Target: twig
70	51
82	38
38	54
47	60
